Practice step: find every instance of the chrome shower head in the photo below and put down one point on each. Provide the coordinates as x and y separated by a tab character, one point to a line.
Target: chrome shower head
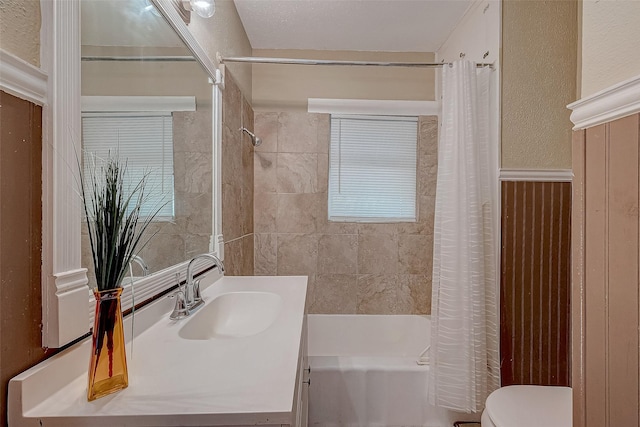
254	139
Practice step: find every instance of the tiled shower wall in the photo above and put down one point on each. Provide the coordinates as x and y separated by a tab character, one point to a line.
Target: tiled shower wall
237	181
353	268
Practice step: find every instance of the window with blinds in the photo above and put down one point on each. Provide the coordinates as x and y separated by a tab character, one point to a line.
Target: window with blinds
372	168
145	141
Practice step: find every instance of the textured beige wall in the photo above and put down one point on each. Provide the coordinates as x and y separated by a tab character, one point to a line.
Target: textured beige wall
610	43
20	29
353	268
225	34
539	55
287	87
115	78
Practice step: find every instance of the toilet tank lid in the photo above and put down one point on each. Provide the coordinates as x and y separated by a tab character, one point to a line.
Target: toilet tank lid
530	406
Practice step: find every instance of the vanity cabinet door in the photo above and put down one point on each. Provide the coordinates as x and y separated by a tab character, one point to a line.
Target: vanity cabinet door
301	397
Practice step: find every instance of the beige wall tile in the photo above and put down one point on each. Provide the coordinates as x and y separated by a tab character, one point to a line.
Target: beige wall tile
190	207
377	254
196	244
231	103
246	212
192	130
247	247
297	133
414	294
247	115
325	226
334	294
297	254
266	254
247	161
231	156
293	203
426	211
323	172
324	132
265	208
338	254
428	135
428	175
265	172
390	228
417	227
233	258
167	249
246	209
415	254
297	172
192	172
266	128
311	280
377	294
297	213
231	211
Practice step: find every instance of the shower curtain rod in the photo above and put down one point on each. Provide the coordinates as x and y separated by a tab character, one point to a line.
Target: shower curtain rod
139	58
292	61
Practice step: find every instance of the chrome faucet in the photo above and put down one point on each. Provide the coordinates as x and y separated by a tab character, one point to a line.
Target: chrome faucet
189	298
193	296
143	265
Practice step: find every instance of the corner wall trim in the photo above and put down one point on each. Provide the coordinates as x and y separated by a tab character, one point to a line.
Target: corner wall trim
542	175
21	79
374	107
615	102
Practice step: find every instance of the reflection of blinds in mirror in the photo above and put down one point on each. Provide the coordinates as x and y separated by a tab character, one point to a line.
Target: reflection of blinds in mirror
372	168
146	143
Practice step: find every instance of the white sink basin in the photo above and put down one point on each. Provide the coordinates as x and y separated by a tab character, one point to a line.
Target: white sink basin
233	315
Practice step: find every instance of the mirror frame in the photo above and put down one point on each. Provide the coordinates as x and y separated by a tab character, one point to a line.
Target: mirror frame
67	307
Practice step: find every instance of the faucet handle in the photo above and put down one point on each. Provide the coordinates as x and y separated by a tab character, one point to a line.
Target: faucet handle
180	309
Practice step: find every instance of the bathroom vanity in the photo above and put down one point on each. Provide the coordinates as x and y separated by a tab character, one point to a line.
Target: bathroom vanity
238	360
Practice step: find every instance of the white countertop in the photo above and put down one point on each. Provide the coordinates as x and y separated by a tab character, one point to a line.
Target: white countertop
176	381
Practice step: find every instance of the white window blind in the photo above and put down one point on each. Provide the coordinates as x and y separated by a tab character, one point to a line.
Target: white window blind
372	168
146	143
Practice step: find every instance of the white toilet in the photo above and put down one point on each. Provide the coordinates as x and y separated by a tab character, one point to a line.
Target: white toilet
528	406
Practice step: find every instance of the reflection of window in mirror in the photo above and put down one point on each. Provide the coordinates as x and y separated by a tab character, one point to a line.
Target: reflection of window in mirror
146	141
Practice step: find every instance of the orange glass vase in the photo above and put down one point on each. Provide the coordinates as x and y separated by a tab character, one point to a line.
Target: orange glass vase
108	364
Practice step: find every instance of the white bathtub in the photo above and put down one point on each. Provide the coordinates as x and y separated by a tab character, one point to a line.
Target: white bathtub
364	372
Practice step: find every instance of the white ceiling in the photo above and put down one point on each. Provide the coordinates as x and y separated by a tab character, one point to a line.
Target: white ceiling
367	25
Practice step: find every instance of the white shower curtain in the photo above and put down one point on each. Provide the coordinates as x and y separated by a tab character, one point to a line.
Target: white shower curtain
464	354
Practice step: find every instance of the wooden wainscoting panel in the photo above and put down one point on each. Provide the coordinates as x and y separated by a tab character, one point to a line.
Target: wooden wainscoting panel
606	336
622	283
535	277
577	278
595	278
20	239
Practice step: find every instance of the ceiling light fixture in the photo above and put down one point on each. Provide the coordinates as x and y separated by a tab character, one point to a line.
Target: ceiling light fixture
202	8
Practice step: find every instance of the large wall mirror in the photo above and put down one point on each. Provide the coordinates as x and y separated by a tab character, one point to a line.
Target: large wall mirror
149	101
128	77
